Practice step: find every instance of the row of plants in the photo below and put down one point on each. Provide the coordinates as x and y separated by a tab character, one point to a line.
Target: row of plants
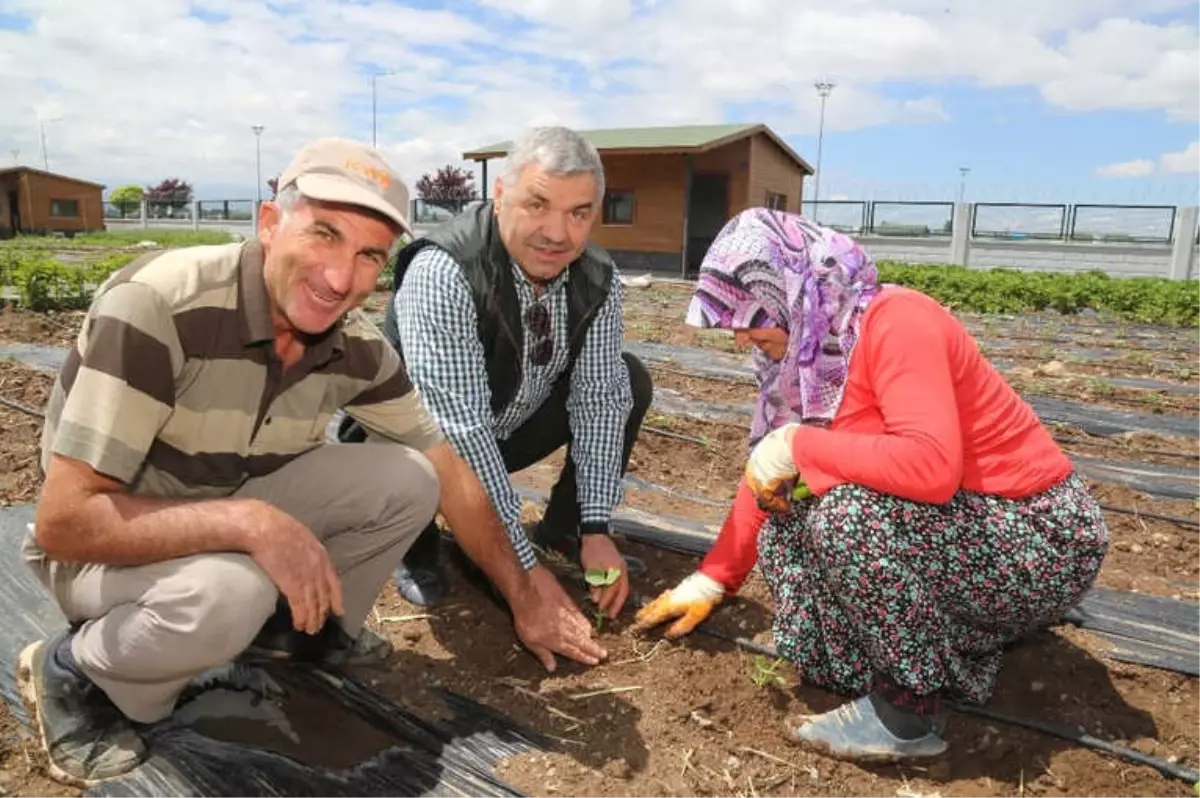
1149	300
36	281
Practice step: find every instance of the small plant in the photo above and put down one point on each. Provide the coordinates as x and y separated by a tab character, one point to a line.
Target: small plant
1100	386
1155	401
600	577
765	674
1140	358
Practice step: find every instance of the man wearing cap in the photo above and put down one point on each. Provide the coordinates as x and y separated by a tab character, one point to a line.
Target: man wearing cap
190	504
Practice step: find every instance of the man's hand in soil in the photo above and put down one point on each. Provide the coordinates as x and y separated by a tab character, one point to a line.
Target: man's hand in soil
299	566
693	598
600	553
552	624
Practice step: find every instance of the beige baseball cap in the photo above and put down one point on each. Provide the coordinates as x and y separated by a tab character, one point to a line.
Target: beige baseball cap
342	170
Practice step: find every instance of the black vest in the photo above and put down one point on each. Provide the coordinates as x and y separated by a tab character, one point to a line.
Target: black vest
472	239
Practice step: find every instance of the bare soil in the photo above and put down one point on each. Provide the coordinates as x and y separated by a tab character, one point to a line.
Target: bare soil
687	717
19	442
47	329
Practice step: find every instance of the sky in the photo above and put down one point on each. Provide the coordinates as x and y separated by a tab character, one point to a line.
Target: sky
1054	101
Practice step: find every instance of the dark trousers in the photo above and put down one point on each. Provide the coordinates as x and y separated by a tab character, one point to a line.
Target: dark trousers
540	436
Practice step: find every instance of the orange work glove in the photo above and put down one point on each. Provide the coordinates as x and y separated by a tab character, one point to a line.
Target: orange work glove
693	598
771	472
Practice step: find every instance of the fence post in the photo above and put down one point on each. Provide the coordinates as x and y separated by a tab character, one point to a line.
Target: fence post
145	213
195	214
1183	253
960	234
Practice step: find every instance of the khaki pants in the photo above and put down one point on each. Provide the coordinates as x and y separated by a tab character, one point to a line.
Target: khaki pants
147	630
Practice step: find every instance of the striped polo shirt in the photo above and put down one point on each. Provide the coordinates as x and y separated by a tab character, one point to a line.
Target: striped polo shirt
174	388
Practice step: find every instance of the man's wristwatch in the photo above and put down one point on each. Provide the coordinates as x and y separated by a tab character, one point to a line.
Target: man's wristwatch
594	528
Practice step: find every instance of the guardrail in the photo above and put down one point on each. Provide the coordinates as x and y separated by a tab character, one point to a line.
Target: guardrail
1014	221
1118	239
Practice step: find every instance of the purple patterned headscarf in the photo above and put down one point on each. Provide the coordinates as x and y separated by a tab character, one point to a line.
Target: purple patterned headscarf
768	268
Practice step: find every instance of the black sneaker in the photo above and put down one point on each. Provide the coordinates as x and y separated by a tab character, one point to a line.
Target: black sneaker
86	738
422	586
331	646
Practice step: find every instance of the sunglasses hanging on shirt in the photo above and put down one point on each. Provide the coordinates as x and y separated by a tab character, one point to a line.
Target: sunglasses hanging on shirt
537	322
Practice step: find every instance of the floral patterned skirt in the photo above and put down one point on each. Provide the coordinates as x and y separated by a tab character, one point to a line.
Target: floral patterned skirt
866	584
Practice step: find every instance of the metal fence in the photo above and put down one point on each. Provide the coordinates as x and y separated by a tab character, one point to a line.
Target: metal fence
434	211
1114	224
911	219
123	210
226	210
1018	221
846	216
1011	221
174	210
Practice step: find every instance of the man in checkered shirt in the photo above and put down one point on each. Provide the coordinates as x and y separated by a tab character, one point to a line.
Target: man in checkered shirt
510	325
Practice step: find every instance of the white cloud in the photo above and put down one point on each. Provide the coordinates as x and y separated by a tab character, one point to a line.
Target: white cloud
1169	163
144	90
1186	162
1139	168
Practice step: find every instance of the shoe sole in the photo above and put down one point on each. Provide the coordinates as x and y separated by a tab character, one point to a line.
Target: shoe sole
27	686
825	749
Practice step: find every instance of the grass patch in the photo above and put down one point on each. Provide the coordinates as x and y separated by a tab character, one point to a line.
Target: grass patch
108	239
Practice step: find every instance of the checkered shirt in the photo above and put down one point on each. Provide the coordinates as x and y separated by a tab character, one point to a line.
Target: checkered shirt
436	318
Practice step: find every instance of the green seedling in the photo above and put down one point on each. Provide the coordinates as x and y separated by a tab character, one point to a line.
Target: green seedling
600	577
765	674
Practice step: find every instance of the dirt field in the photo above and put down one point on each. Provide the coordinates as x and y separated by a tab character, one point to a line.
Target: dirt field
703	717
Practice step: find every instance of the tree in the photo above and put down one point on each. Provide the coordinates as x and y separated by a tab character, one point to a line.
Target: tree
172	193
449	185
126	196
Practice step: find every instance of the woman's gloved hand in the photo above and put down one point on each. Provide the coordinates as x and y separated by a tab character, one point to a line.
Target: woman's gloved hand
693	598
771	472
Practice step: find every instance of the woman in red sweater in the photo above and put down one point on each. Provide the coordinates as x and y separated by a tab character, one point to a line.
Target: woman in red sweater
910	513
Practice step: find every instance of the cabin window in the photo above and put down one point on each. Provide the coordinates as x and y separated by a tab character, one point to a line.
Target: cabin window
64	208
776	201
618	207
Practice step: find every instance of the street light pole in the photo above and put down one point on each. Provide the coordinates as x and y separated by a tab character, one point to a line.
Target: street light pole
962	184
258	129
824	87
374	104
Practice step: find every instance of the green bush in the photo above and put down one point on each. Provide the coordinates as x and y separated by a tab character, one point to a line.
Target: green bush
42	283
1150	300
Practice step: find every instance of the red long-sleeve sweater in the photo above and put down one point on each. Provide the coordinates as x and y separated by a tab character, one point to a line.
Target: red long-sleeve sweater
924	415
